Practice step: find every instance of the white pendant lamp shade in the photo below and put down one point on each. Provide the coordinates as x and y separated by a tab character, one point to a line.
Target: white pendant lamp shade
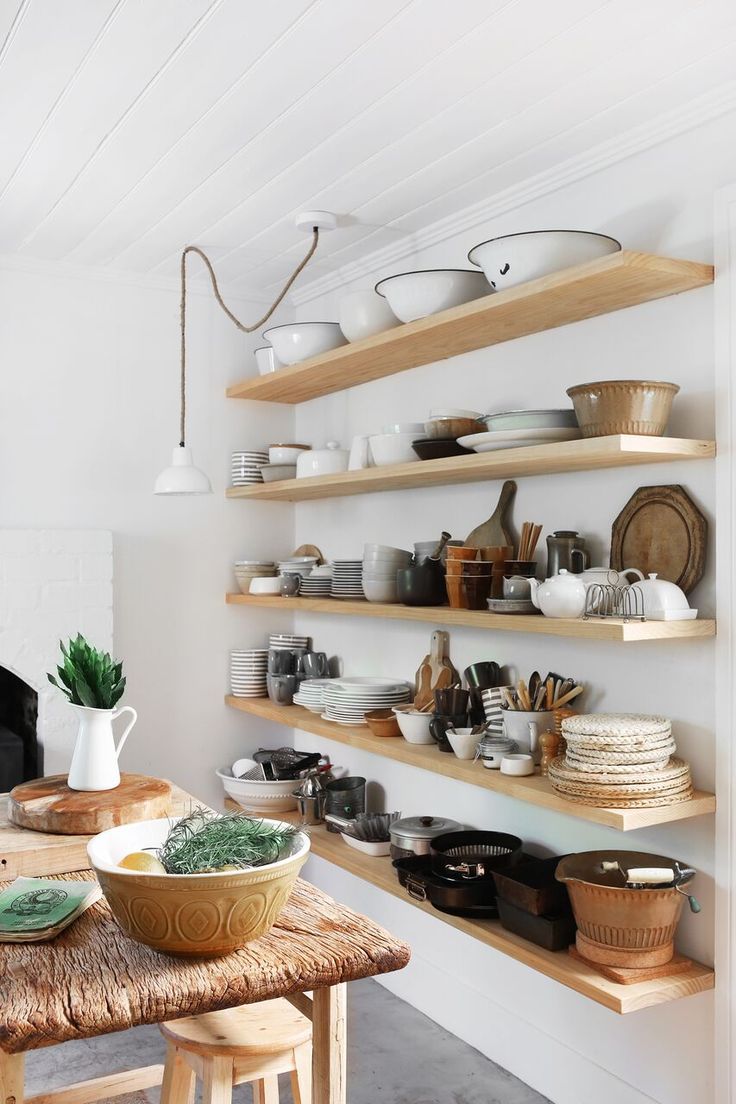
182	478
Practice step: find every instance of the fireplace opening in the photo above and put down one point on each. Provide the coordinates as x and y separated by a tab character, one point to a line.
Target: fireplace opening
20	755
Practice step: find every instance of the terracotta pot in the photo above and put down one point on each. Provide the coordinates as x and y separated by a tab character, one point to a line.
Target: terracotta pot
455	552
456	591
496	553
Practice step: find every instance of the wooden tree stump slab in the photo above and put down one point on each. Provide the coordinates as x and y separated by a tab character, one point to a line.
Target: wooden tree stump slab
48	805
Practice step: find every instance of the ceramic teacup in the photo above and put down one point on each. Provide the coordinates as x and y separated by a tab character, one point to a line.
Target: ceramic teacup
451	702
314	665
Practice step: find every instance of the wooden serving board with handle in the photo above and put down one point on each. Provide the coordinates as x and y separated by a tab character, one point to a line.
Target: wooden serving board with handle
48	805
435	672
495	532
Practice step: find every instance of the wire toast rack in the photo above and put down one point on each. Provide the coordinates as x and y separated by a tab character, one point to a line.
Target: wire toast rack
626	603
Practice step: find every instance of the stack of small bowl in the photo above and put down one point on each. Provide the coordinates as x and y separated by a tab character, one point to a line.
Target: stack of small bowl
469	579
442	430
297	565
380	564
248	570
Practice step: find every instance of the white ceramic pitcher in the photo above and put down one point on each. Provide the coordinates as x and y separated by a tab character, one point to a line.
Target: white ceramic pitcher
95	760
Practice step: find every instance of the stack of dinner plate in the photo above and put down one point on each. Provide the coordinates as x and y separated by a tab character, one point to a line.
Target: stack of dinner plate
248	670
287	640
311	694
347	579
318	584
246	467
347	700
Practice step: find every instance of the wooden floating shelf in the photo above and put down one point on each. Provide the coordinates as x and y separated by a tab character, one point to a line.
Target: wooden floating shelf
586	454
535	790
557	965
609	629
611	283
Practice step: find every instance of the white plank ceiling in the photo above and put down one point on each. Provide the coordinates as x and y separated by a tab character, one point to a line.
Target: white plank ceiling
130	127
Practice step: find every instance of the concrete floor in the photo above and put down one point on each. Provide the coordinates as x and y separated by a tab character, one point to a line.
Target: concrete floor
395	1055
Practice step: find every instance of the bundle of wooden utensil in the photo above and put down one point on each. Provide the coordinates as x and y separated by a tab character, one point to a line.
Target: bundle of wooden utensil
541	695
528	541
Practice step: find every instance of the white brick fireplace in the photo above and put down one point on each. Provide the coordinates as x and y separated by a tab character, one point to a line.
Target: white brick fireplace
53	584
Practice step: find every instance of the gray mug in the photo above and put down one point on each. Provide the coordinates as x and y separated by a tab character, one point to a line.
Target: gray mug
314	664
290	584
281	688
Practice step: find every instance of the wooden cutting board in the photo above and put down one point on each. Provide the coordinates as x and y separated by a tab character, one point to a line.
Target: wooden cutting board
48	805
435	672
495	532
660	529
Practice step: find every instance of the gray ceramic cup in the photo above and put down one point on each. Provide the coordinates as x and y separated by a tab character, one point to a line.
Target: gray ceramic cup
281	688
314	664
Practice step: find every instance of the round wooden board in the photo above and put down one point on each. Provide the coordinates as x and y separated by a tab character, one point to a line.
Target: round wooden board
48	805
660	529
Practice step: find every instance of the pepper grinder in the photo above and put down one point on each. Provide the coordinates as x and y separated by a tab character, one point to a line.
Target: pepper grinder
549	742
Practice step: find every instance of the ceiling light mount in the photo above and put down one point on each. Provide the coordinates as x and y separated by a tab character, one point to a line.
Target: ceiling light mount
315	220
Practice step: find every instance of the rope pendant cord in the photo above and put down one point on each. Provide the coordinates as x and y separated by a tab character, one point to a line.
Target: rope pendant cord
245	329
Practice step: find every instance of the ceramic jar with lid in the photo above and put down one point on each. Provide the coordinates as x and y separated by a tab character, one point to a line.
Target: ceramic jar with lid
326	461
414	835
561	596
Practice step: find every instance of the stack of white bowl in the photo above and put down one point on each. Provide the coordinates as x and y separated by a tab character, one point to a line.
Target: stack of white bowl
318	583
380	564
393	444
245	467
347	579
297	565
287	640
248	570
248	670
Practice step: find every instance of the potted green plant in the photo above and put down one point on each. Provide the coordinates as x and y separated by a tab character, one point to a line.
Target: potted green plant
94	684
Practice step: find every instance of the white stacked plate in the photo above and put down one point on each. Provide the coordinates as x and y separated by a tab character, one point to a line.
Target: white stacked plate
516	438
347	700
245	468
287	640
347	579
248	670
315	586
311	694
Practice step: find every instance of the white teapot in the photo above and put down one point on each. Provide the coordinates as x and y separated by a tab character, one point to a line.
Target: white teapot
561	596
608	576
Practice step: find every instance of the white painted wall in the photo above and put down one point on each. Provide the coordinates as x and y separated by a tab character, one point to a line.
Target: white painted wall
88	418
568	1048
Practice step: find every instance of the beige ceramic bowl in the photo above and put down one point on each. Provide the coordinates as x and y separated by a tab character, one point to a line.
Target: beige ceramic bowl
202	915
623	406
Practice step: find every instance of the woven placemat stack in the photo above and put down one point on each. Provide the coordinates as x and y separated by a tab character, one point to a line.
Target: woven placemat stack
620	761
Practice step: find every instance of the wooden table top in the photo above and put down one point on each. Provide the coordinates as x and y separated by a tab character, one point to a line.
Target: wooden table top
93	979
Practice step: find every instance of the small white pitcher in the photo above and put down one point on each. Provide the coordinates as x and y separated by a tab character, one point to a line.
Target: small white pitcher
95	760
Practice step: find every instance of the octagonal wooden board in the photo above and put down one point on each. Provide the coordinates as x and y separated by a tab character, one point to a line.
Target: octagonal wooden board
48	805
660	529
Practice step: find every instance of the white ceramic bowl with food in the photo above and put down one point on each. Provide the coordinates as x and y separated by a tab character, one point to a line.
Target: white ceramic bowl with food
202	915
392	448
516	258
298	341
413	295
414	725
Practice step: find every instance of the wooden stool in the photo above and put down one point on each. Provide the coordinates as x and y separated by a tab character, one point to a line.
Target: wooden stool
253	1043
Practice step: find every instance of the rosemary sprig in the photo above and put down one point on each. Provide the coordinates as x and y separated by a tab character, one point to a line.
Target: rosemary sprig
204	841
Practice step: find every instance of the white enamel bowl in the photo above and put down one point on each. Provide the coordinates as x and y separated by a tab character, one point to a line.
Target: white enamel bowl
299	341
413	295
265	797
516	258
